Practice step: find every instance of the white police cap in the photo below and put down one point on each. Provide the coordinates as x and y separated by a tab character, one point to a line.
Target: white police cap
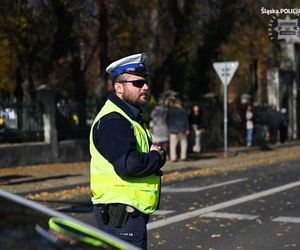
134	64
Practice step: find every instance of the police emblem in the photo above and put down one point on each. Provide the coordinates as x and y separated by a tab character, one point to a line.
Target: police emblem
283	29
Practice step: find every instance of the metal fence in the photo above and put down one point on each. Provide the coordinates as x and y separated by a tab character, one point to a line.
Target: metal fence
20	122
68	115
24	122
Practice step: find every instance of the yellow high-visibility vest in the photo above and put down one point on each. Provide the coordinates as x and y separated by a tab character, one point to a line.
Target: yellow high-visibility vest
141	193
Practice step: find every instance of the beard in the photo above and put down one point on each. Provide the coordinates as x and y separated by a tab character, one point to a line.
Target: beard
136	100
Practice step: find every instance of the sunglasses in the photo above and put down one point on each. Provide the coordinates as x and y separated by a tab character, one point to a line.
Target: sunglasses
137	83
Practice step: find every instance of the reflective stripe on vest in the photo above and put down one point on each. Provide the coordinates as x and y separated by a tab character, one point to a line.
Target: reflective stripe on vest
107	187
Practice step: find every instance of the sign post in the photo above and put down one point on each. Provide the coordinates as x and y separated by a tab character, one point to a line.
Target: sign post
225	71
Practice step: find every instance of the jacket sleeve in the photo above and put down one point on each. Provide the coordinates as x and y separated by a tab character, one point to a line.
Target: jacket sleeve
114	139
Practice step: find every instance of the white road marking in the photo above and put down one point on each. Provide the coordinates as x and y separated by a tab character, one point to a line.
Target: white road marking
287	219
222	205
231	216
196	189
163	212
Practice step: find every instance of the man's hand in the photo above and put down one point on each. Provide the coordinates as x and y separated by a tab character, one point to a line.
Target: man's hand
159	150
155	147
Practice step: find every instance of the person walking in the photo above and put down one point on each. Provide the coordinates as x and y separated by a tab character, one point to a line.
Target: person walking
249	126
197	125
284	122
125	167
177	121
159	127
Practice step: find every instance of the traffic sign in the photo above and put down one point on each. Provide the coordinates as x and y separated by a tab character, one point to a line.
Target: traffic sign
226	70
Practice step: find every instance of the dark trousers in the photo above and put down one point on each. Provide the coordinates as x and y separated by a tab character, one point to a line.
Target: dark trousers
134	231
283	133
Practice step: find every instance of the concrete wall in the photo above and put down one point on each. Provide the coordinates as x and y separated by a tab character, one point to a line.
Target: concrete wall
40	152
73	151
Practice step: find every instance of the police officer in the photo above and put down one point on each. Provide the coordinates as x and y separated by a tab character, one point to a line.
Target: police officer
125	166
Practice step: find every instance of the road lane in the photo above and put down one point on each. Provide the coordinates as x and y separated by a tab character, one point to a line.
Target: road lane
222	205
197	189
260	213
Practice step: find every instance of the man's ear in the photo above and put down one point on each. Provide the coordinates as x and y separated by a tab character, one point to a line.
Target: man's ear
119	88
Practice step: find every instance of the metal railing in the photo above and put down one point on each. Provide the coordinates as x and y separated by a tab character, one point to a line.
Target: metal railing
24	122
20	122
68	115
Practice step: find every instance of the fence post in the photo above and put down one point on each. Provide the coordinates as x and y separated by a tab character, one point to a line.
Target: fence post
46	95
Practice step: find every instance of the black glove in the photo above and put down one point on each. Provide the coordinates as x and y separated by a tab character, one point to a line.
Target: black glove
159	173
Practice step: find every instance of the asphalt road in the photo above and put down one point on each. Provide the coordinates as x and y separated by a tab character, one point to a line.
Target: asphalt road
254	209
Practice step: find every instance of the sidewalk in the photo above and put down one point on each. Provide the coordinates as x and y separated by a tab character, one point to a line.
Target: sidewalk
56	177
215	157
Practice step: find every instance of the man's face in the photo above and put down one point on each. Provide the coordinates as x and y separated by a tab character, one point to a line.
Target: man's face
132	90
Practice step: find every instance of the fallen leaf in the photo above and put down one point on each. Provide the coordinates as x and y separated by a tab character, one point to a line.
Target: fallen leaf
215	236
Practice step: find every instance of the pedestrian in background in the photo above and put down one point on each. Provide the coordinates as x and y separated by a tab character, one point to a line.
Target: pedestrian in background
125	165
196	121
159	127
273	121
249	126
283	125
177	121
